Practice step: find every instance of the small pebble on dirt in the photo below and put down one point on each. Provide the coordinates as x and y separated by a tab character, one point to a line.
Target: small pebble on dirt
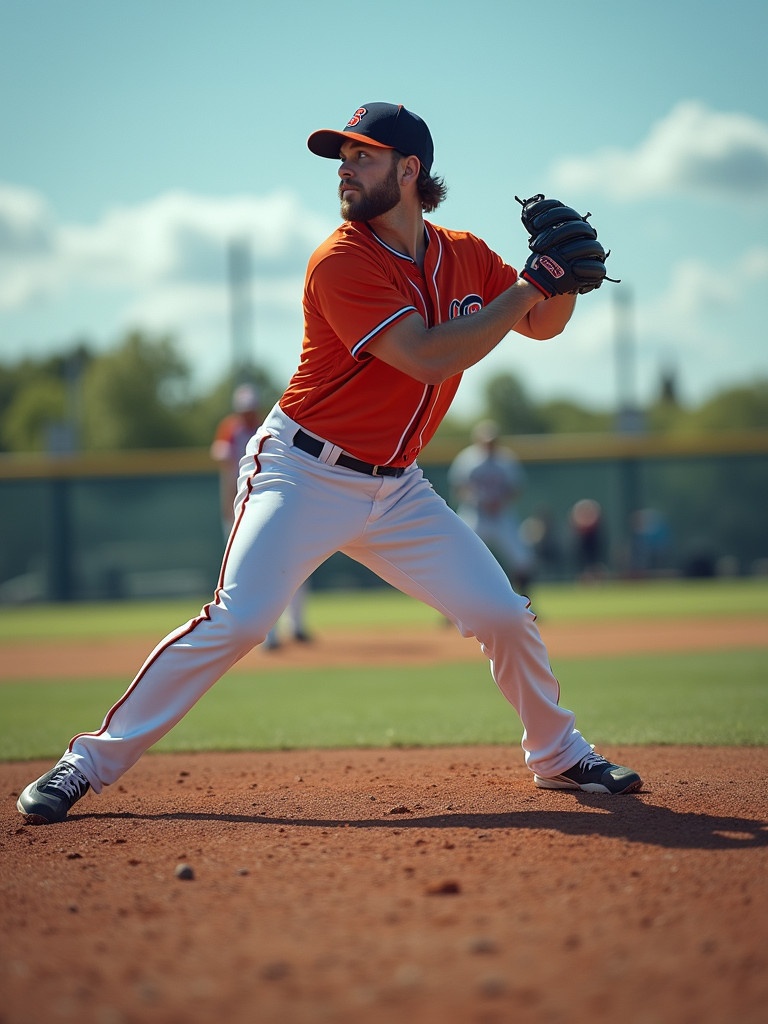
482	944
492	987
276	971
447	888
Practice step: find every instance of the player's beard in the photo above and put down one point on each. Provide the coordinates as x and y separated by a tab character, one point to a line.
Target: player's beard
378	200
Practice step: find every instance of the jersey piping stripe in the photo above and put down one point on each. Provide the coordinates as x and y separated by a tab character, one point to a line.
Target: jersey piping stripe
400	312
381	327
431	393
383	244
428	419
402	441
423	301
438	261
189	627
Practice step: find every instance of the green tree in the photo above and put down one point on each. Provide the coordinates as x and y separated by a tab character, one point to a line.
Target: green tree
33	411
565	417
507	403
131	396
38	396
139	396
738	408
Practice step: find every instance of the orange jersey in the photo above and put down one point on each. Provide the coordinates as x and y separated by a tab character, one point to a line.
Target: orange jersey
357	287
232	435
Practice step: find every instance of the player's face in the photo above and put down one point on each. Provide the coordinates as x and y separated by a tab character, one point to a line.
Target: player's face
369	187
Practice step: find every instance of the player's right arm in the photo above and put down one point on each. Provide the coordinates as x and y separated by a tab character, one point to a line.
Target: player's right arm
434	354
351	290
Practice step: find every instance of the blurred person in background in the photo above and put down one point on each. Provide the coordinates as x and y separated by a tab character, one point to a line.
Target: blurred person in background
228	447
487	480
650	542
588	531
540	531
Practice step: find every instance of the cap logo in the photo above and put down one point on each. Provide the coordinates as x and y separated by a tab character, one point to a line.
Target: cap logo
357	117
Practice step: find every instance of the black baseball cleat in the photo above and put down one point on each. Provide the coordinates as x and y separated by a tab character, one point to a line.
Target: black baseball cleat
593	774
49	799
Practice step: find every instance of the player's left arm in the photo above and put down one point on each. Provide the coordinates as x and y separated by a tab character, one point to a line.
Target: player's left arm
547	319
566	260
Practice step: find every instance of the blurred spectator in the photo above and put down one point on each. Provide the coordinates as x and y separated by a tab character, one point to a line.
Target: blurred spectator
232	435
650	541
487	481
228	447
587	525
540	532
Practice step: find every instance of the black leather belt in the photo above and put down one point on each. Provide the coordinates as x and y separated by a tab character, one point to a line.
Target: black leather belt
314	446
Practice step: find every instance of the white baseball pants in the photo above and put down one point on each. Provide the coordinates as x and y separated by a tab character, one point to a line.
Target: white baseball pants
292	512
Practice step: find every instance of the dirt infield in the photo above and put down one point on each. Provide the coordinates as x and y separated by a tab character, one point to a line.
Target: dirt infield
383	886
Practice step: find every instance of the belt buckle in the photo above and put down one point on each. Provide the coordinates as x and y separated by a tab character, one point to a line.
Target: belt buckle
375	471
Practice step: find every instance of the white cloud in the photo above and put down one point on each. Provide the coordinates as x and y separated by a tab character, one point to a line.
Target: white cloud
27	242
185	237
754	264
176	240
700	295
198	316
163	266
692	150
699	327
26	223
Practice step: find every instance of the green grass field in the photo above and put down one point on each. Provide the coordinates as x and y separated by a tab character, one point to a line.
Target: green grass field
567	602
712	698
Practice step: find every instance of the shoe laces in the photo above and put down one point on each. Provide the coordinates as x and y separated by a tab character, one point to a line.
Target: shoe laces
592	760
69	780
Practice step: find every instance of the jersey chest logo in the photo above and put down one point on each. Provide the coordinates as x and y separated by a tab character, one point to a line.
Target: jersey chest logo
463	307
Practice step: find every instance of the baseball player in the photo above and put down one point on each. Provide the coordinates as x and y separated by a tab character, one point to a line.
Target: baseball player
395	309
228	447
487	481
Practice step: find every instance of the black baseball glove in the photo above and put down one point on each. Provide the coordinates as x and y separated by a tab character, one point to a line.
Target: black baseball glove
540	213
566	255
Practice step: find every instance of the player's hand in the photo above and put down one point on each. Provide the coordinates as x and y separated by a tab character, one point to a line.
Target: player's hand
567	258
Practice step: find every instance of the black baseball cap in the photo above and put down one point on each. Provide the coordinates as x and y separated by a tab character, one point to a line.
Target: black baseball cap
388	125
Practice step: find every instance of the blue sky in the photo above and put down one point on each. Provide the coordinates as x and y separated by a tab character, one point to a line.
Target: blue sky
138	141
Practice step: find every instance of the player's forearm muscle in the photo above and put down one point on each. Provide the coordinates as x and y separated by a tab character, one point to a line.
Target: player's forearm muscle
433	354
547	319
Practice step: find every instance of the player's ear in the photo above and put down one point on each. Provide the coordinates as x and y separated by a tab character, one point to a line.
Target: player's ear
409	169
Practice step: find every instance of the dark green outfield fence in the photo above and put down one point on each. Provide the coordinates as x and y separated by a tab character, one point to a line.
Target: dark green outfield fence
143	524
